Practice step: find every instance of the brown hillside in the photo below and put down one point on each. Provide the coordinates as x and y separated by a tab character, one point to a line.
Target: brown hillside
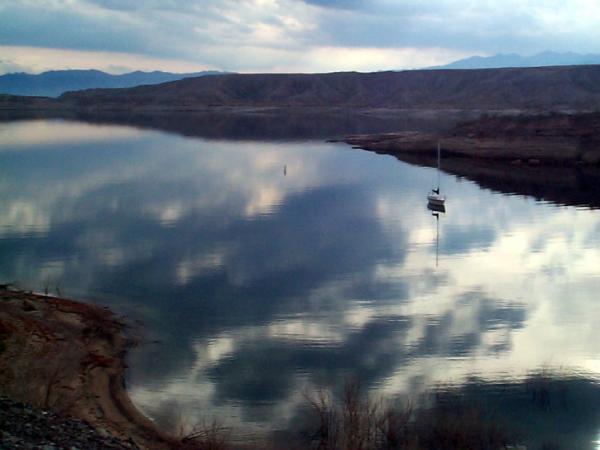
543	88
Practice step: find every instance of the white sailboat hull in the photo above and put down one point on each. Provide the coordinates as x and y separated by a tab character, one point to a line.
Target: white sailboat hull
436	199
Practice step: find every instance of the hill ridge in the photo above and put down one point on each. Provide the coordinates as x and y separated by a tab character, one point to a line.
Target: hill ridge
558	87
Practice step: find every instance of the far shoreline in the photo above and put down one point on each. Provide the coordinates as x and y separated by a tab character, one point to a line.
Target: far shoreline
553	157
549	155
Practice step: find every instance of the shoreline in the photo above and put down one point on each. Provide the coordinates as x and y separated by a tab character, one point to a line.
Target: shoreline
571	185
552	139
553	157
69	357
542	151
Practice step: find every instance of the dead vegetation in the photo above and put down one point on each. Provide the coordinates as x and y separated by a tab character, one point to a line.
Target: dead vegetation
211	435
358	422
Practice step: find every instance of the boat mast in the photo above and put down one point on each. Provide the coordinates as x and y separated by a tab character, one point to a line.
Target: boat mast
438	167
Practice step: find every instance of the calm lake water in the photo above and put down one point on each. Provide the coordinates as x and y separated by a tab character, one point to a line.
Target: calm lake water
266	269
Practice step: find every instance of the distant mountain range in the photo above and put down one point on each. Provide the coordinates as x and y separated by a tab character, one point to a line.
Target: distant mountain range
515	60
54	83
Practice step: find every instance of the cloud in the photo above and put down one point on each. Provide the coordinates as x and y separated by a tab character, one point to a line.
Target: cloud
367	58
272	35
337	4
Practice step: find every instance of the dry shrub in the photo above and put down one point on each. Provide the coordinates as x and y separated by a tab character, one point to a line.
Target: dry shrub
457	426
357	422
207	436
360	423
547	389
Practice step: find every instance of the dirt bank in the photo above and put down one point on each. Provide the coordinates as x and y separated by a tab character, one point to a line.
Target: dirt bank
549	140
67	356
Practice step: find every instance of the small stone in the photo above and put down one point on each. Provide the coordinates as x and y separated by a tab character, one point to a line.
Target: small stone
28	306
591	157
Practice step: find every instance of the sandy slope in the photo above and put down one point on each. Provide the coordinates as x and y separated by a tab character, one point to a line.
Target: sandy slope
68	356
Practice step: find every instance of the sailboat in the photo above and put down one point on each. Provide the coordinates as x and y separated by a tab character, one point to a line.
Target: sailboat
435	200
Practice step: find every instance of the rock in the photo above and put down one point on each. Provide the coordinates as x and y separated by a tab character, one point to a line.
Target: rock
23	427
591	157
28	306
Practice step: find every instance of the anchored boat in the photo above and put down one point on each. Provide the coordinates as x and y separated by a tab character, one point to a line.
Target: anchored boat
435	200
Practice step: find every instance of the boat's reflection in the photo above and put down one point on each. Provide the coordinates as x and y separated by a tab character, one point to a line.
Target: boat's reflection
436	210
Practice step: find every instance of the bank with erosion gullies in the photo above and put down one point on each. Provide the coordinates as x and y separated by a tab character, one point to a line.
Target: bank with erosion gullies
67	357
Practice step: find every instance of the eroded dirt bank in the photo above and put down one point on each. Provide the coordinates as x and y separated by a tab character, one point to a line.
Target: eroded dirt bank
68	356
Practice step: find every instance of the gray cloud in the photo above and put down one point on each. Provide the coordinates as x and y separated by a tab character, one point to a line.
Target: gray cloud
245	35
68	29
337	4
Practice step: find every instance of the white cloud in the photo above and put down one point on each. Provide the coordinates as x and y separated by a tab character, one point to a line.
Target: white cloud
325	59
19	136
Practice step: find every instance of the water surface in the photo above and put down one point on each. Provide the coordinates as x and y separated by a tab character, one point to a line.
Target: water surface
266	269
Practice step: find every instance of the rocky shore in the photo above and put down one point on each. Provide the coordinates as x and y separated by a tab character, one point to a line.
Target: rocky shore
67	357
27	428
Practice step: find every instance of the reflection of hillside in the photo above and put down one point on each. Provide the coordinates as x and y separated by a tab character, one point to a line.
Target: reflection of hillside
559	185
553	157
266	124
567	186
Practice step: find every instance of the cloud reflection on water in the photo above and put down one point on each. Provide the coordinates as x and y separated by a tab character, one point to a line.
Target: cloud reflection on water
261	284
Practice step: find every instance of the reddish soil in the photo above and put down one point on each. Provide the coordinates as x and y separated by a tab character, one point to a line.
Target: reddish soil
68	356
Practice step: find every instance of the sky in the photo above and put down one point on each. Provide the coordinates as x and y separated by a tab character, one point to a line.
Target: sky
284	35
